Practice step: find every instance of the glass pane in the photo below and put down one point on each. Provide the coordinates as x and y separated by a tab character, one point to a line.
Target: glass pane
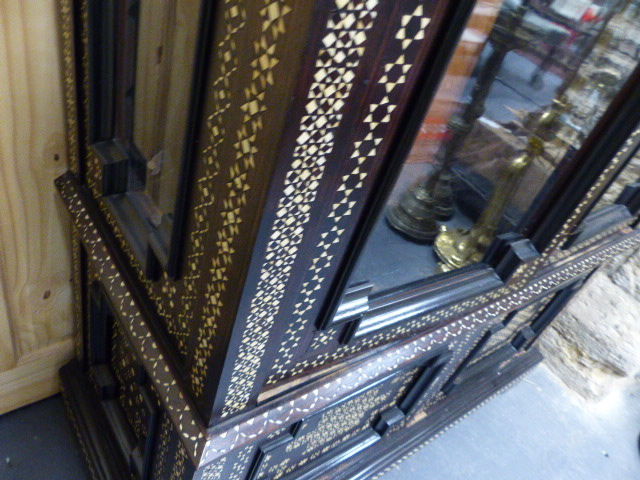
167	35
526	85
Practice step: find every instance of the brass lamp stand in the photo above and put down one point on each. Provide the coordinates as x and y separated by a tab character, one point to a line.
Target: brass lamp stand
460	247
417	213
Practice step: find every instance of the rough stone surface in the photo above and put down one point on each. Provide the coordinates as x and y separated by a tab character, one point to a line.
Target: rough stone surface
593	344
627	275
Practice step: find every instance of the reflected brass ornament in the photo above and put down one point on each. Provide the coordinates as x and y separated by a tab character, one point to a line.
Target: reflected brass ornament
419	208
460	247
417	213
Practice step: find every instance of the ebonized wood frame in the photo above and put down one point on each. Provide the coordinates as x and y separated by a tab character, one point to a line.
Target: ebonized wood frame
294	406
366	464
307	399
575	177
512	254
630	198
394	306
624	211
432	352
581	179
420	298
111	66
98	444
338	190
232	350
237	149
564	270
138	455
370	451
419	389
359	459
523	339
132	311
400	145
363	314
608	218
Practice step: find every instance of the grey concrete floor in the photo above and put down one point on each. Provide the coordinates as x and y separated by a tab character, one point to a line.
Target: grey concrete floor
537	430
37	442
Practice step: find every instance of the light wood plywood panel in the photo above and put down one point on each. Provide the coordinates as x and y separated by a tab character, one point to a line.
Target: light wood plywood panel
7	350
35	291
35	377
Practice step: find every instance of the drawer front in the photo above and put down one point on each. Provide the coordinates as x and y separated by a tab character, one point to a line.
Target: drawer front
352	421
345	417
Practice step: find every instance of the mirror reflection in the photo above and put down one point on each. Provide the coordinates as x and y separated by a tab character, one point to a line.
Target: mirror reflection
167	35
527	83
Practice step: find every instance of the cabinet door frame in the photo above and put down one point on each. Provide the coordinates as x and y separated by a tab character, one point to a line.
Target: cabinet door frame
591	224
580	182
516	256
157	247
520	340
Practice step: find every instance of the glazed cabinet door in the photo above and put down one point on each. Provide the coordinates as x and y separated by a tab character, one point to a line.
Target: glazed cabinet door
502	155
146	61
362	66
444	186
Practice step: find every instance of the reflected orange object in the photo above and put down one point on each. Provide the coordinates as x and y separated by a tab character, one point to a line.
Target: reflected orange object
447	97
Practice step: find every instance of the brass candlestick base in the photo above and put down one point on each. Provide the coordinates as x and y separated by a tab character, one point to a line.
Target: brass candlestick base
413	216
457	248
419	208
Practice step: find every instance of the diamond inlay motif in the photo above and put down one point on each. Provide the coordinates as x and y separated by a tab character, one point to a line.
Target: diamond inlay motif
341	48
365	149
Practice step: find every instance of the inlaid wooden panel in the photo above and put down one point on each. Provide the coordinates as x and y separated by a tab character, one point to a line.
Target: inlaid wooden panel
366	58
35	263
244	98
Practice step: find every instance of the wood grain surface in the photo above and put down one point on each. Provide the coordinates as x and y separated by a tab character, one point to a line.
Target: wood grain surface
165	58
35	292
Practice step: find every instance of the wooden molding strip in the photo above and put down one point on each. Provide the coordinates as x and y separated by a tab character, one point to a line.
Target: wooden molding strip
322	393
163	375
35	376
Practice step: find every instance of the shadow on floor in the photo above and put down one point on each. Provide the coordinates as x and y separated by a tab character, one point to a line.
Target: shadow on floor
536	430
38	443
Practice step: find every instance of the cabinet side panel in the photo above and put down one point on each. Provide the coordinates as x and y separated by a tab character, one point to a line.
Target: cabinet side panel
339	129
255	55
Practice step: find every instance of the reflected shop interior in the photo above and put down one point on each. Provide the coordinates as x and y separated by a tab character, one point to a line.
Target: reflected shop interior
523	90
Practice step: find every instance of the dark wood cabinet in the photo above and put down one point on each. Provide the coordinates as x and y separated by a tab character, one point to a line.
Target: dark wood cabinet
310	235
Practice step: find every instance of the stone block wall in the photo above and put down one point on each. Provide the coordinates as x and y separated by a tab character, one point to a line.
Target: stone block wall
594	344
